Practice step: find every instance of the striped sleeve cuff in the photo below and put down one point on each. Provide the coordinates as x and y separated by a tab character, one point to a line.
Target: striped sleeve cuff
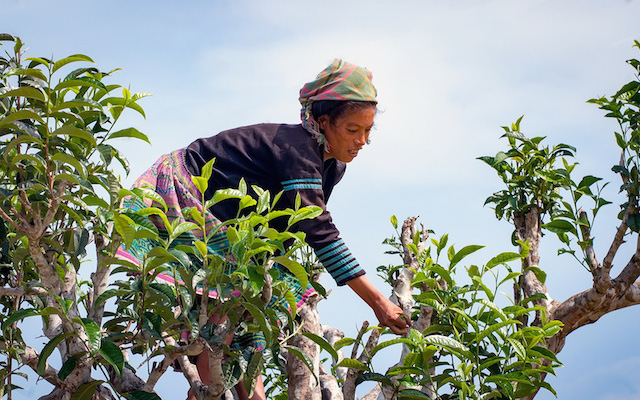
308	183
339	262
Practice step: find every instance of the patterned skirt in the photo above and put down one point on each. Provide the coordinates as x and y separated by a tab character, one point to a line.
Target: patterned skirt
170	179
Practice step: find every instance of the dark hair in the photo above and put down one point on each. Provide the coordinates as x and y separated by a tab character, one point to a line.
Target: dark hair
335	109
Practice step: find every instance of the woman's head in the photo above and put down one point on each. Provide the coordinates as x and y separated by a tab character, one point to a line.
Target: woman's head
339	90
346	133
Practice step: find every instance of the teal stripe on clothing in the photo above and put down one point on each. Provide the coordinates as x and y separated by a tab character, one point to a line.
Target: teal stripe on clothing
348	275
341	252
334	266
320	253
337	272
302	186
301	180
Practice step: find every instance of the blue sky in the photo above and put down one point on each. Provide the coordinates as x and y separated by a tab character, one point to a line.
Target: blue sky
449	74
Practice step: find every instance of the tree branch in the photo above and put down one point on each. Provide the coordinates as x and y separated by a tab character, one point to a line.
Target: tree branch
100	279
349	386
618	240
23	291
630	272
30	358
589	251
199	389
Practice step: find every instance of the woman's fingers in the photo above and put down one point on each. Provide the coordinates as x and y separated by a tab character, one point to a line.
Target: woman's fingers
392	316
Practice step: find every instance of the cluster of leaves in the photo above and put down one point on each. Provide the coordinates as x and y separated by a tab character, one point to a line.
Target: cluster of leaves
55	169
58	176
624	107
472	348
530	172
535	179
240	274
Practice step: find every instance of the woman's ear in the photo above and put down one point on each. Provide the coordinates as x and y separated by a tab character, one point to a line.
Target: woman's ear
323	121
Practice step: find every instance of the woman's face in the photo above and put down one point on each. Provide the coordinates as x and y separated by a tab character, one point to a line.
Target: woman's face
348	134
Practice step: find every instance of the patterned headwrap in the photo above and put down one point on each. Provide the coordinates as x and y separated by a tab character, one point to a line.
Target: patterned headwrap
339	81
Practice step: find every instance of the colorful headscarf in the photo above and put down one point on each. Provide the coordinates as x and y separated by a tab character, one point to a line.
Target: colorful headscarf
339	81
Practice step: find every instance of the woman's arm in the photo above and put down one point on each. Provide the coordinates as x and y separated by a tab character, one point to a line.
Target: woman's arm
388	314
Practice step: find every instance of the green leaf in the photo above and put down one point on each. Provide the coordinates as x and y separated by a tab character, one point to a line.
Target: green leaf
93	333
182	228
451	252
633	222
486	332
21	115
446	342
503	258
156	211
75	132
323	344
412	394
351	363
518	348
394	221
80	82
510	276
130	133
544	353
560	226
19	315
309	212
46	352
86	391
465	251
388	343
207	169
200	183
67	159
295	268
374	376
202	248
259	317
140	395
343	342
113	355
67	60
68	367
24	91
303	357
254	369
553	327
125	227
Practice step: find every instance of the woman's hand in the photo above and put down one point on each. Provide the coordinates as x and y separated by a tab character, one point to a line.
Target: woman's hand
388	314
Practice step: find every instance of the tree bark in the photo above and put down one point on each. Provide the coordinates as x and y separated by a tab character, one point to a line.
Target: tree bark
303	383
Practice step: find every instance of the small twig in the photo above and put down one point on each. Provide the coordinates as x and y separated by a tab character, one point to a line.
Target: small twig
26	204
267	289
12	221
363	329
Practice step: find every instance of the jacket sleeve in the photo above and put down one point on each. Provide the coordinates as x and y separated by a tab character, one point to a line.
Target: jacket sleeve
304	177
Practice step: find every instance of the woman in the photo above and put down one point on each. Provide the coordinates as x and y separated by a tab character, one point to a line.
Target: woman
306	160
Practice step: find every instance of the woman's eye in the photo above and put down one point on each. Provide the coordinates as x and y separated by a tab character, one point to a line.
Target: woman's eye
354	131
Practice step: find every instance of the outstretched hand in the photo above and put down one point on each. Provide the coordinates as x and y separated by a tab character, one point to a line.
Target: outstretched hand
388	314
392	316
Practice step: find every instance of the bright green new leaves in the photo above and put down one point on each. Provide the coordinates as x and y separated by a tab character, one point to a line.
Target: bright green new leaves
536	178
473	348
57	175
